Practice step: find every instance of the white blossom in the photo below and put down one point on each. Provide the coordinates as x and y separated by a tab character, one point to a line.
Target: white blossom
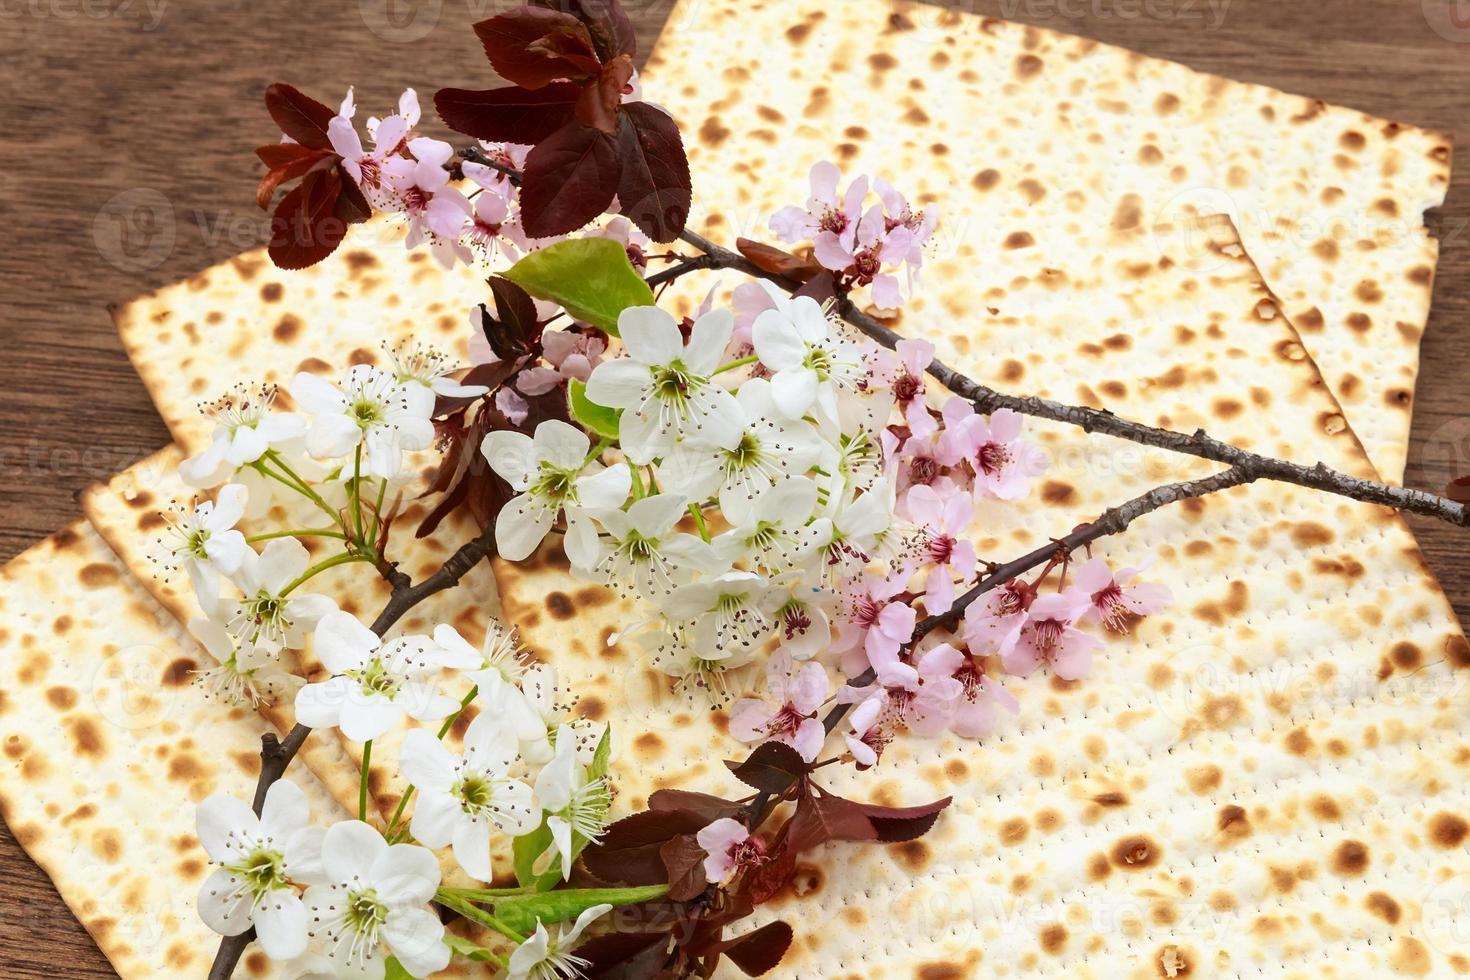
575	802
775	531
203	540
809	360
644	552
546	957
245	429
372	410
267	614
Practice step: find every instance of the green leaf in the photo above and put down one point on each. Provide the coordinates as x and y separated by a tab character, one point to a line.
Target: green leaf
595	418
591	278
393	970
467	949
521	912
602	757
526	849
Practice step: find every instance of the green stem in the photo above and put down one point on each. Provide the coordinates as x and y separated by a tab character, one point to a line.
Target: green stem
476	914
308	533
698	514
301	486
346	558
638	492
733	365
362	786
260	467
443	730
356	495
378	513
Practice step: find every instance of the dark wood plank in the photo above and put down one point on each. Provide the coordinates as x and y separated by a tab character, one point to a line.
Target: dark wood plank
126	164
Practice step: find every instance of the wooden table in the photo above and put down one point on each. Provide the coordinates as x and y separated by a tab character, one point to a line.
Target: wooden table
116	108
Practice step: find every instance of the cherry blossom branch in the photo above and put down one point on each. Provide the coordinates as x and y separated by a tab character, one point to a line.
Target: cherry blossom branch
1113	521
986	399
277	754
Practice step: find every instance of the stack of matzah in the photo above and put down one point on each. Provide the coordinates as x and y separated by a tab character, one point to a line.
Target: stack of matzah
1268	780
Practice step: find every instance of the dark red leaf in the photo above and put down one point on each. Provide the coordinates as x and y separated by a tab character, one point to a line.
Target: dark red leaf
300	117
611	28
570	179
305	228
1459	490
684	862
777	262
629	851
897	824
764	882
711	808
352	204
516	42
624	956
821	817
760	951
655	191
821	287
286	161
514	331
600	99
773	767
508	115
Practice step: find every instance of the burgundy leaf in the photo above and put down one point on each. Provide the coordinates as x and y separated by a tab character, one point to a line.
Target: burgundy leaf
508	115
711	808
897	824
600	99
515	331
623	956
763	882
821	817
611	28
352	205
629	851
655	191
286	161
773	767
570	179
1459	490
305	228
300	117
516	42
760	951
684	862
820	287
779	262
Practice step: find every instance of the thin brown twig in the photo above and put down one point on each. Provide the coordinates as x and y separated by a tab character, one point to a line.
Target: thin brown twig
1199	443
277	754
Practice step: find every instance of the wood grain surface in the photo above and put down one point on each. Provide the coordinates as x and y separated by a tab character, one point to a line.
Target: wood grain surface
125	164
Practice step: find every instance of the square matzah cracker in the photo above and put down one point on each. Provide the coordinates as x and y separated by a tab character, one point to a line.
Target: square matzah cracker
1036	143
108	747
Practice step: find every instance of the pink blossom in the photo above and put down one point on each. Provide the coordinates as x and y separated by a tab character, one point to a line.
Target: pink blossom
634	242
1004	464
924	696
419	187
901	371
574	353
876	247
866	736
995	617
1111	603
925	457
730	849
826	215
975	711
921	224
1050	635
797	693
870	622
942	547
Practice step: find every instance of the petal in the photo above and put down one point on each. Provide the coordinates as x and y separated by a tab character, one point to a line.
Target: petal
512	455
561	445
224	911
607	488
775	339
794	390
472	848
229	507
619	383
285	811
332	436
425	762
316	395
724	424
248	445
650	335
580	540
217	818
281	563
364	719
343	643
749	718
708	340
435	816
350	850
280	925
320	705
520	528
405	874
416	937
